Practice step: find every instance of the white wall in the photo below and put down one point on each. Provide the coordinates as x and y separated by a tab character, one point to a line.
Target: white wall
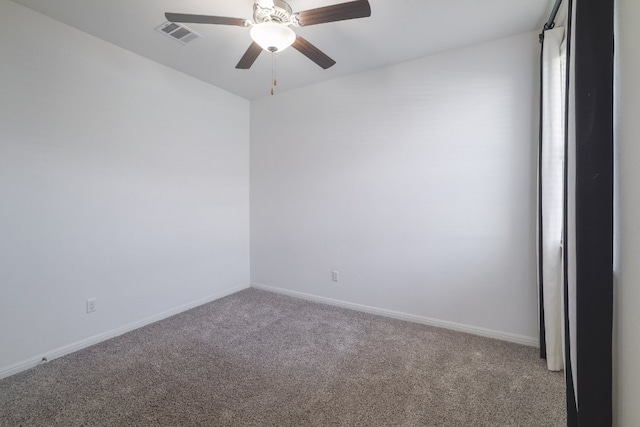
415	181
627	299
120	179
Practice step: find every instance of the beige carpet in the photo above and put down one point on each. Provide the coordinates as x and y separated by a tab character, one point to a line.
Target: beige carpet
261	359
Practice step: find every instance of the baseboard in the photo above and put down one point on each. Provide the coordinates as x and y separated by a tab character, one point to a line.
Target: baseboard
95	339
475	330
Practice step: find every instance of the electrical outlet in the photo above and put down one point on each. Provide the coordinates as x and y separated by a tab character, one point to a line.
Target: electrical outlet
335	276
91	305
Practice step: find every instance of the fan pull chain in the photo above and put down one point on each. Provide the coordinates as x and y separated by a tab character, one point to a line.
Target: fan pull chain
274	81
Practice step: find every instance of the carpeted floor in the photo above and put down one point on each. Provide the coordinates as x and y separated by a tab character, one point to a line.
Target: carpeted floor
261	359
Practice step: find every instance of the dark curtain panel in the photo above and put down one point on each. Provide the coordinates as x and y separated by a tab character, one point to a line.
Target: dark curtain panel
543	341
589	379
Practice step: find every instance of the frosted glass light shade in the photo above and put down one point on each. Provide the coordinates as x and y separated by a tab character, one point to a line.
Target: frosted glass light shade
272	36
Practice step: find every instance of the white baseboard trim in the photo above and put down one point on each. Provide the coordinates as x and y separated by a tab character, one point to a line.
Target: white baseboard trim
15	368
475	330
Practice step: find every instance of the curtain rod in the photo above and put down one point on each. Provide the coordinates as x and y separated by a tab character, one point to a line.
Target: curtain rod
550	23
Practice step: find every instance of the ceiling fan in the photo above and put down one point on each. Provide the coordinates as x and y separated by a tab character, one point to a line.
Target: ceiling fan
271	27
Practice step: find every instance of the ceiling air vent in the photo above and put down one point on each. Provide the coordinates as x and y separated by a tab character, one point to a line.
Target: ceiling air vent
178	32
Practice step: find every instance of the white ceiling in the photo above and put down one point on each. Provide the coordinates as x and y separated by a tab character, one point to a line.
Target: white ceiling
397	31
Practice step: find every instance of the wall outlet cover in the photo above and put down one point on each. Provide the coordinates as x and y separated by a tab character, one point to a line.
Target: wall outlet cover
91	305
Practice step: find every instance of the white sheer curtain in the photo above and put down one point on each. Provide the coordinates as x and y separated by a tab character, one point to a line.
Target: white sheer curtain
571	292
551	198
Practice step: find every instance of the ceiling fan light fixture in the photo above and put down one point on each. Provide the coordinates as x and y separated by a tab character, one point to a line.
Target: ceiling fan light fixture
272	36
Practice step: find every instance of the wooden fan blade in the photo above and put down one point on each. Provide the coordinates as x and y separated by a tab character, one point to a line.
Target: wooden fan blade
204	19
249	57
313	53
336	12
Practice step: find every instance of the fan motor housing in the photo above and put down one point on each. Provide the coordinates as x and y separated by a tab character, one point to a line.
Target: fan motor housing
281	13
